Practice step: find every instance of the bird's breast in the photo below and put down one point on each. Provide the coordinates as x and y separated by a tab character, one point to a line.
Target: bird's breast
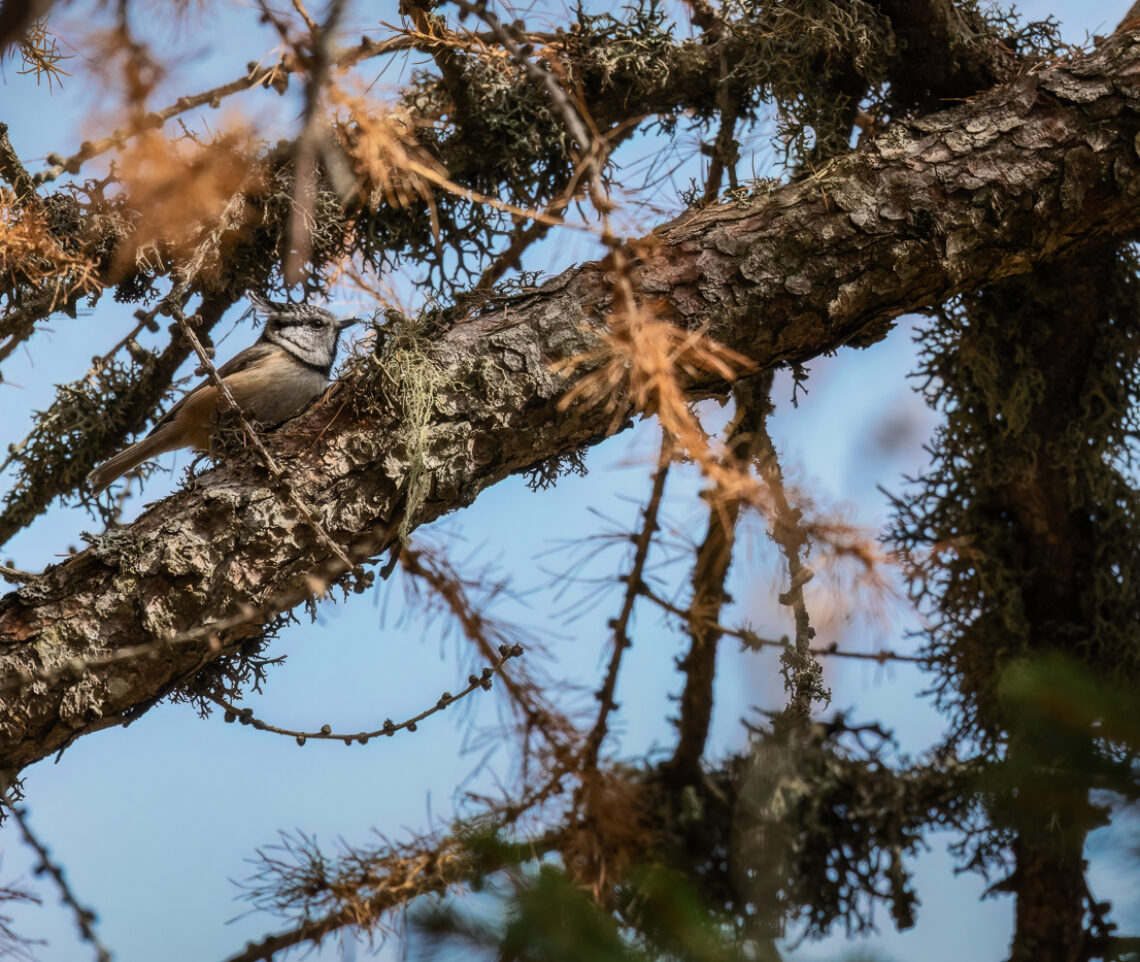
274	392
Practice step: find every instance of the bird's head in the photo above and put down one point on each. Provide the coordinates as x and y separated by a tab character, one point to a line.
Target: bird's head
307	332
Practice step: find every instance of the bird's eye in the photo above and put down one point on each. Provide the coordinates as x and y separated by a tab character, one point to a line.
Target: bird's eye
315	325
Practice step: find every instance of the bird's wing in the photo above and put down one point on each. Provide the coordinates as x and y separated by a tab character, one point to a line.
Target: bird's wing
239	362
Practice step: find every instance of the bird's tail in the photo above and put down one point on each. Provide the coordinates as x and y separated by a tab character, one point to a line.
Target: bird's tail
113	469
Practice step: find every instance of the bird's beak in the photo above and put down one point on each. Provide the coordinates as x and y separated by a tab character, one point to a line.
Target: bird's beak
348	322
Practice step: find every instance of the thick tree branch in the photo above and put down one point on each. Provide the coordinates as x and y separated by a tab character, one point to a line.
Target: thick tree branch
643	541
946	204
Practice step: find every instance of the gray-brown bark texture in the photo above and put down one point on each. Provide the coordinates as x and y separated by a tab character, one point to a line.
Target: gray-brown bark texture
944	204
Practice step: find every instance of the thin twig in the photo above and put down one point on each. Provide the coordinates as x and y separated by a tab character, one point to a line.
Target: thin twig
474	682
84	917
17	325
310	23
396	878
710	572
725	150
802	673
724	147
443	53
521	239
15	576
557	95
751	641
525	694
318	62
144	320
255	76
633	588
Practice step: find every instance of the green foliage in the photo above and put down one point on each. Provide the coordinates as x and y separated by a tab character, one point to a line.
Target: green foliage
541	914
1074	732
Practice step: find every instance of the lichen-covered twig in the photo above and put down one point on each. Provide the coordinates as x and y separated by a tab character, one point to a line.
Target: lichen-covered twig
15	576
276	75
803	675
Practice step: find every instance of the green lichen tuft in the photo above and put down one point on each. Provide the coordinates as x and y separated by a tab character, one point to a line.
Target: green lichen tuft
401	373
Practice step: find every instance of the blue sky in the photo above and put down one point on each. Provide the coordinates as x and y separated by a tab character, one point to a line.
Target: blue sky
153	820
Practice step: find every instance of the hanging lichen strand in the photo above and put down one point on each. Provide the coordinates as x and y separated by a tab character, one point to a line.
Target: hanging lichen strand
1023	535
1030	504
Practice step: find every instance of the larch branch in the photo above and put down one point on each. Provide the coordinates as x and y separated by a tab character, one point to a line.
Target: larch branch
948	203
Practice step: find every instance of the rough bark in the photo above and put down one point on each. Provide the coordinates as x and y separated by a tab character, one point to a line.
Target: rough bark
948	203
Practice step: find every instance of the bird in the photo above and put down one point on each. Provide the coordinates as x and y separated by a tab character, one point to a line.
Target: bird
273	380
